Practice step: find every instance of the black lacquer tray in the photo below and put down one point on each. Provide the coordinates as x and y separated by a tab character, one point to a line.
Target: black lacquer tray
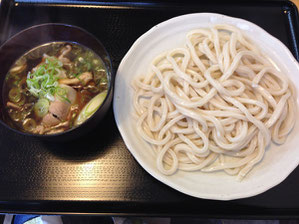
96	174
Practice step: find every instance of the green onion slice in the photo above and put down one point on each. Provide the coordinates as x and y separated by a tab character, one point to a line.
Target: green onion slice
29	124
43	82
90	108
14	95
41	107
62	93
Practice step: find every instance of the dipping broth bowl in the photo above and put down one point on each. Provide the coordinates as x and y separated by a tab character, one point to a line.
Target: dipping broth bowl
31	38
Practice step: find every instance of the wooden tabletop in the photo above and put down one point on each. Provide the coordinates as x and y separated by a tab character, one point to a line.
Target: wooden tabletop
296	2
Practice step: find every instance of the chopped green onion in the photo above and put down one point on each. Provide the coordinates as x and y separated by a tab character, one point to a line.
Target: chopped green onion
103	81
88	64
29	124
14	95
42	83
15	115
76	75
41	107
62	93
90	108
65	99
21	101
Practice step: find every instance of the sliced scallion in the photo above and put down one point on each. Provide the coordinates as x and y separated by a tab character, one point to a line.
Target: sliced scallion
62	93
42	83
14	95
41	107
90	108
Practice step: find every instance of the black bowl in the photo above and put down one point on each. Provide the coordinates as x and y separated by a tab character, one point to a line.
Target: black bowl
34	36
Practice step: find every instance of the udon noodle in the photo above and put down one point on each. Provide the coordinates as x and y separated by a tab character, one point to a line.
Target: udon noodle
214	104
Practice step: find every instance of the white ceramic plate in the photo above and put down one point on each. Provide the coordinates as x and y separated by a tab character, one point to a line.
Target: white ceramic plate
278	162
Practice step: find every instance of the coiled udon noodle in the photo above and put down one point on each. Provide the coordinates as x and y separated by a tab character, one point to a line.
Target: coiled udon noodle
214	104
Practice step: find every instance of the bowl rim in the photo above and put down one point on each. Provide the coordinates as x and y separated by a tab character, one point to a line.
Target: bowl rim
109	74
